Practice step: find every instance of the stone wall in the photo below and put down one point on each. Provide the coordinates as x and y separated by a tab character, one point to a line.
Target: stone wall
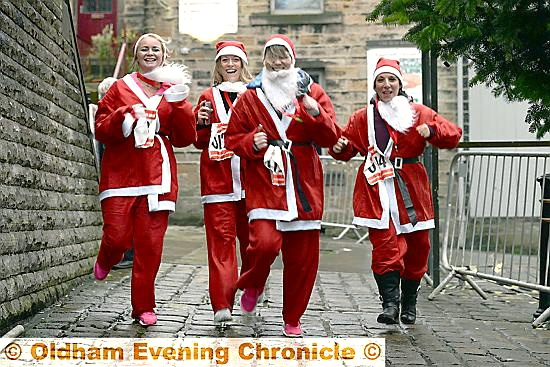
50	220
335	42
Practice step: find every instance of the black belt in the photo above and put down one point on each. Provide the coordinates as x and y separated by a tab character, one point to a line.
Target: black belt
286	145
398	163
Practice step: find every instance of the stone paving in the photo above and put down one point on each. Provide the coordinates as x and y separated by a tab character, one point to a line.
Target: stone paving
457	328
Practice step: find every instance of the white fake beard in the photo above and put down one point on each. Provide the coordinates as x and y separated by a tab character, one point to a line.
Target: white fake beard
238	87
280	87
398	113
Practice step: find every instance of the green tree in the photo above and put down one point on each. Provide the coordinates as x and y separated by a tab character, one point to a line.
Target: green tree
105	49
507	42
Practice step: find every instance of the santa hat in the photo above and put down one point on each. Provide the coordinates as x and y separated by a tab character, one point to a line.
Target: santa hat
231	48
282	40
388	66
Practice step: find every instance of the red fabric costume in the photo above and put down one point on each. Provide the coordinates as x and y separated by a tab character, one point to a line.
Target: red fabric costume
222	195
278	218
374	205
138	186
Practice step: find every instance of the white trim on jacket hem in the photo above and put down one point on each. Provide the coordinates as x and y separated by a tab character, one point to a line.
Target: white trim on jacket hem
155	205
274	214
401	228
298	225
219	198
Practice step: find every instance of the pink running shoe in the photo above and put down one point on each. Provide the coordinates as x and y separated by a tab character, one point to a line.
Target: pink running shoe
99	272
293	331
147	318
249	299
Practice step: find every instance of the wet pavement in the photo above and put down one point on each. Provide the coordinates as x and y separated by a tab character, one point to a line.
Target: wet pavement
457	328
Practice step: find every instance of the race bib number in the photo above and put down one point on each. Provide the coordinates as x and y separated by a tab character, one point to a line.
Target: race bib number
377	169
216	146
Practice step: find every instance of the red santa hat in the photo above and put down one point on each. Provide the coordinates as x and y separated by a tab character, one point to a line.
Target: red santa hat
388	66
282	40
231	48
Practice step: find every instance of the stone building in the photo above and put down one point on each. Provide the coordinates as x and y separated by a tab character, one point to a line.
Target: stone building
50	221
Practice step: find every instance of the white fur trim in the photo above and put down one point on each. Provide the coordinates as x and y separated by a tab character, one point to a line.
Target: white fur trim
232	50
388	69
127	124
155	205
298	225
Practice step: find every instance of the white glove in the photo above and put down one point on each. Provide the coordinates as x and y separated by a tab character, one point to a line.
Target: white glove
176	93
139	110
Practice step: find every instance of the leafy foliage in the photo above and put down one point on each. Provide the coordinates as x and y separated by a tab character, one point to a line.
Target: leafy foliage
507	41
105	48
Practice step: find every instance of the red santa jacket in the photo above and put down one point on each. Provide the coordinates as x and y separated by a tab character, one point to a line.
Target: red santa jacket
130	171
374	205
221	178
264	200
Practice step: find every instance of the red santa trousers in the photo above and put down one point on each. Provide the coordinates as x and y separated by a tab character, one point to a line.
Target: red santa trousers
128	222
225	222
406	252
300	254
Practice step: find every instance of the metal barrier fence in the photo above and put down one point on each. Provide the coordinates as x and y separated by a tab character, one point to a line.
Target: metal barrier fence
339	182
493	221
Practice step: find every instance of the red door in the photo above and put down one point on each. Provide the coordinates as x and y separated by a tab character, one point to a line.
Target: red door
93	16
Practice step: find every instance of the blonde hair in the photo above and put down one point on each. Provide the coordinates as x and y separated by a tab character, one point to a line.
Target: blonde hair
217	76
163	45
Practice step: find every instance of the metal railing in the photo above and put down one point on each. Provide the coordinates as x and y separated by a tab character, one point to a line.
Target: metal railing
493	221
339	183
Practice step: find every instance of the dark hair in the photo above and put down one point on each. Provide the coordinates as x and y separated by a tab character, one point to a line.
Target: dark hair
402	92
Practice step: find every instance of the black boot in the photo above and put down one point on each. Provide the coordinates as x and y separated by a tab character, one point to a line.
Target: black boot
409	292
544	303
388	287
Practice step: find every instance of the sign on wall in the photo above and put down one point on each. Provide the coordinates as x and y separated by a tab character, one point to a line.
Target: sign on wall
208	20
410	59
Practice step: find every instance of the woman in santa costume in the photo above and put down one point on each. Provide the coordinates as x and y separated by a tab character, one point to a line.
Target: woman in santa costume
222	191
275	126
392	195
140	118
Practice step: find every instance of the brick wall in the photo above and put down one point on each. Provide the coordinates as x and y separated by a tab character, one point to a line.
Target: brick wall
336	41
49	211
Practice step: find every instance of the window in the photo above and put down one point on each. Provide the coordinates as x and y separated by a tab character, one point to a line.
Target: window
96	6
317	74
296	6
